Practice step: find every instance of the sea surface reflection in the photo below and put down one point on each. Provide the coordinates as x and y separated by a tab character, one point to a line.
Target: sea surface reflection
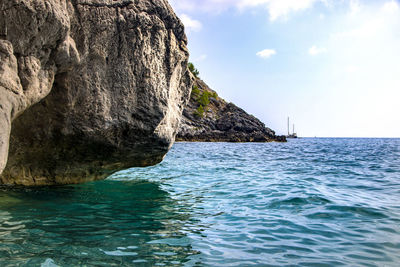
308	202
107	223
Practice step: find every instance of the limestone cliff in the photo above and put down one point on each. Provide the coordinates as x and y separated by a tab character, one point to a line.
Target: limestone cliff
210	118
88	87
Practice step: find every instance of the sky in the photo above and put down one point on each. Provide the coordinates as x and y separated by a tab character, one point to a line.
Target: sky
332	66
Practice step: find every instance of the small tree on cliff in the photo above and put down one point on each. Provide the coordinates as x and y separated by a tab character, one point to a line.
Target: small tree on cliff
199	111
204	99
193	70
195	92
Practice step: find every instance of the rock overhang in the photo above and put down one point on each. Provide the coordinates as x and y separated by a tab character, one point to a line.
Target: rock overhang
88	87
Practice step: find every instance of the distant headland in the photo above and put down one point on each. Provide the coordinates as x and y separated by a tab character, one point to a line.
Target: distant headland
209	118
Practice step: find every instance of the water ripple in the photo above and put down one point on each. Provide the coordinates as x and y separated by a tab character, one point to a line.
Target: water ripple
309	202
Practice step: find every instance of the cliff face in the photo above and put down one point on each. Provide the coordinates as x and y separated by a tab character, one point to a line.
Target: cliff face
209	118
88	87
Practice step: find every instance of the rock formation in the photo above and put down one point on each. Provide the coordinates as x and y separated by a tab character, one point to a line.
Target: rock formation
219	121
88	87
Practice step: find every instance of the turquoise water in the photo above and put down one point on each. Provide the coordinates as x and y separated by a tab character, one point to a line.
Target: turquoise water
309	202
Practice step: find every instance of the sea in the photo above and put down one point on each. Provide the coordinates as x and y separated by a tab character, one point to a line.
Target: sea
307	202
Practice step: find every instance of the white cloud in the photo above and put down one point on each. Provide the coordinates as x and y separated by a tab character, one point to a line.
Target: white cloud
208	6
314	50
351	69
355	7
390	7
191	24
366	45
266	53
276	8
200	58
369	24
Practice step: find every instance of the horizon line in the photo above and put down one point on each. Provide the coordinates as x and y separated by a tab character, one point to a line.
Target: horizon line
360	137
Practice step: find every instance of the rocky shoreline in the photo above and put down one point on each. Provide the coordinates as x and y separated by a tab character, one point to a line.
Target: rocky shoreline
209	118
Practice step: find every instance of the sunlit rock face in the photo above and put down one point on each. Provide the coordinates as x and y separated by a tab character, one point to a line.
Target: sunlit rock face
88	87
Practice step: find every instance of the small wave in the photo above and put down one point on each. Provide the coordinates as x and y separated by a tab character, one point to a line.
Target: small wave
362	211
119	253
338	211
299	201
184	241
327	215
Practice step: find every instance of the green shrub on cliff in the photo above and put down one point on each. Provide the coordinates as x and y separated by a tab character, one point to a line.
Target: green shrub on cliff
195	92
204	99
193	70
199	111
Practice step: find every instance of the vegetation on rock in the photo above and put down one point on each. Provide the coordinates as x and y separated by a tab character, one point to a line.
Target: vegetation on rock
193	70
199	111
202	99
209	118
195	92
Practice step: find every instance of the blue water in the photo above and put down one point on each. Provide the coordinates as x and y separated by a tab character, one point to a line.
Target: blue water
309	202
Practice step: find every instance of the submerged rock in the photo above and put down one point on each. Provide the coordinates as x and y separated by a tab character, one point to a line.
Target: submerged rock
88	87
209	118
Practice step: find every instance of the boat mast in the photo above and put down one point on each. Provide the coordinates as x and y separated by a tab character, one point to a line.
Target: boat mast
293	128
288	128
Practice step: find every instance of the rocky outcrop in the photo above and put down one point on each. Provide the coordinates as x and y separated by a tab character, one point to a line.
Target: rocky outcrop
219	121
88	87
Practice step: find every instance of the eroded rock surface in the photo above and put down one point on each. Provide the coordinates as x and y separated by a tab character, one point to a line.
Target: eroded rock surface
88	87
221	121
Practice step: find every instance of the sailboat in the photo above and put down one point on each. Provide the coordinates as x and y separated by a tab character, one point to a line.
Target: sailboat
293	135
